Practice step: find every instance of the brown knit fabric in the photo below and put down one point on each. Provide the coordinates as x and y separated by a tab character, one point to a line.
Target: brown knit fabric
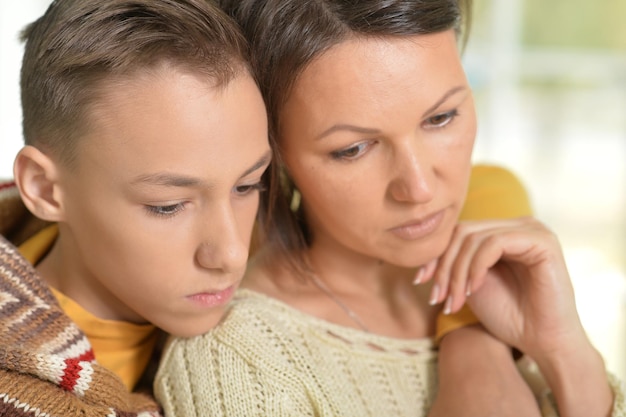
47	365
17	224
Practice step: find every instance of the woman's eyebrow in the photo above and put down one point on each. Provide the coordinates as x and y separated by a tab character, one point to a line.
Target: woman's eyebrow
350	128
365	130
446	96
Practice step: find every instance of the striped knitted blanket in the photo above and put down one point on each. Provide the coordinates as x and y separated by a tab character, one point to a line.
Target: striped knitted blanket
47	365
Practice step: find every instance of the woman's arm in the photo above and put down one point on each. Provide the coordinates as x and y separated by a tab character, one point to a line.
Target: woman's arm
577	378
478	377
477	374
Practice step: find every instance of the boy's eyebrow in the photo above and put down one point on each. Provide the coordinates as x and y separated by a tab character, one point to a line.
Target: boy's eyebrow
175	180
365	130
167	179
264	160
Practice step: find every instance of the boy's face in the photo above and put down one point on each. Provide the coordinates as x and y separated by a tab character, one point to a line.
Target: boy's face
159	211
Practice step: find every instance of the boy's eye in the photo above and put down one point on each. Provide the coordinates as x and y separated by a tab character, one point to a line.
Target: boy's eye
441	120
351	152
166	211
243	190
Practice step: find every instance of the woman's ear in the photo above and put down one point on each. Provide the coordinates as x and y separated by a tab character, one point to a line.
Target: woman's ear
37	179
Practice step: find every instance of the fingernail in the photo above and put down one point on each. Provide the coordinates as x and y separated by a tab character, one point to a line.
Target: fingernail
447	308
434	295
468	289
419	276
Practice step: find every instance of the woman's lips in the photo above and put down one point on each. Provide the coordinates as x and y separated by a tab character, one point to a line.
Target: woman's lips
419	228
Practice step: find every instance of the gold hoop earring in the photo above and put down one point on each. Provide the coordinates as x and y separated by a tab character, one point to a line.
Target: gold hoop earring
296	198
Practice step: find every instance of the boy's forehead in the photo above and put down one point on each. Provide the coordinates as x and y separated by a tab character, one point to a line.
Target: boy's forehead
131	98
111	86
172	122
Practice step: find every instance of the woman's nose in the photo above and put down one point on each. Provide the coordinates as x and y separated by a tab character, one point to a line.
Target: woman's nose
413	176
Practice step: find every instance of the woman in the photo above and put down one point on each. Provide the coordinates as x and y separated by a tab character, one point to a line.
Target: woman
373	123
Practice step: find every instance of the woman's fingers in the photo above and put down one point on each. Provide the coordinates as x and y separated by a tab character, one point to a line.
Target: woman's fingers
452	261
425	272
441	275
477	246
470	264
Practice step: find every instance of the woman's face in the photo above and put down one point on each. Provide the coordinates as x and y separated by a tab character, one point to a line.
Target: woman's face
377	136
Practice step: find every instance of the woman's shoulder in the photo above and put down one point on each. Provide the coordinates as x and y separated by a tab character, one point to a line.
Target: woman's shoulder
250	318
251	309
296	328
256	337
248	352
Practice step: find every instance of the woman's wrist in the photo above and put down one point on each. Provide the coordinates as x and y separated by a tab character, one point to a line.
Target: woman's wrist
578	380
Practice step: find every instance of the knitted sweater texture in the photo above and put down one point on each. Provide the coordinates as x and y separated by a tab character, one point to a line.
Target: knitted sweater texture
47	366
269	359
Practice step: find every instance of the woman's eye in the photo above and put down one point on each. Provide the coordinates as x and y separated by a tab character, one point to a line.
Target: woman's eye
166	211
246	189
441	120
350	153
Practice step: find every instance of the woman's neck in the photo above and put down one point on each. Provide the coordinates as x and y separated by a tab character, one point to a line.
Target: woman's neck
341	285
346	271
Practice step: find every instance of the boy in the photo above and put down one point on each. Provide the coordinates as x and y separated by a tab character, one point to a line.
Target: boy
145	143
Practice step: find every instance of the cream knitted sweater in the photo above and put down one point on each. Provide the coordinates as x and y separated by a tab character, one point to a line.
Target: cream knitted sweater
268	359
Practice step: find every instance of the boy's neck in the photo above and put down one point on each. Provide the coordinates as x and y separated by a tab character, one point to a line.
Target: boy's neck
60	269
49	268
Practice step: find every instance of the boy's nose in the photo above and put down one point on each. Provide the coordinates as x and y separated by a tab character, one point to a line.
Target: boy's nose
223	248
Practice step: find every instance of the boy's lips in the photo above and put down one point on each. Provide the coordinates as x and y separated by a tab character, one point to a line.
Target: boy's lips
213	298
419	228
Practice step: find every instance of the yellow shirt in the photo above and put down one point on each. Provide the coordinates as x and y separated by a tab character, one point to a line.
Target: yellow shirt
121	347
494	193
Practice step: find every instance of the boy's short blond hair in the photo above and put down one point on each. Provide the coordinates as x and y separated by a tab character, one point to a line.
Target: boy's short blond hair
80	48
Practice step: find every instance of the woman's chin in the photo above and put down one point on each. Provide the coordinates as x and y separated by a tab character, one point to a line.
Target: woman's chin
414	257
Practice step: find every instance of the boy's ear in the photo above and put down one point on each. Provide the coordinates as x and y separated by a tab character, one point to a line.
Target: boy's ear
37	178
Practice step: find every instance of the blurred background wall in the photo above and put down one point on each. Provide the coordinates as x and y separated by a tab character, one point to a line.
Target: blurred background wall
550	84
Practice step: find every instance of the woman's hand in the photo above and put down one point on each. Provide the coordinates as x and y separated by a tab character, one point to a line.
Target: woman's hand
515	276
519	284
